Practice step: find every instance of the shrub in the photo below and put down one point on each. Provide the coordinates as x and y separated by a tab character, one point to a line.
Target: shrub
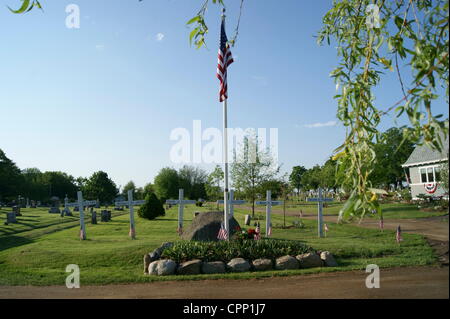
226	250
152	207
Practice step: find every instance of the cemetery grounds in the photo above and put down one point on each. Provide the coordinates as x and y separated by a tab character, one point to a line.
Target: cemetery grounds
37	249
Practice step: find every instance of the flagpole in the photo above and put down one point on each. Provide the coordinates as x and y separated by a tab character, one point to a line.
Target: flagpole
226	208
225	159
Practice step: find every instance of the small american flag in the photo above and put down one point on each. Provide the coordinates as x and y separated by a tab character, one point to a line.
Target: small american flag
82	235
381	224
398	235
222	235
180	230
132	232
258	233
269	231
224	60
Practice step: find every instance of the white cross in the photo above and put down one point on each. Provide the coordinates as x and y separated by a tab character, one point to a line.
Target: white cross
130	203
320	200
231	203
269	203
181	202
81	204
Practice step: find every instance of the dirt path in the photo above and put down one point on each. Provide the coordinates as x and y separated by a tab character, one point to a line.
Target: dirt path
416	282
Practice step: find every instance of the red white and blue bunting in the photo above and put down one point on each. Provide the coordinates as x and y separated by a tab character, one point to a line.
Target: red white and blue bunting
430	187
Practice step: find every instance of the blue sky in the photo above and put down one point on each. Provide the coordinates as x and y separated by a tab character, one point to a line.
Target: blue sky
106	96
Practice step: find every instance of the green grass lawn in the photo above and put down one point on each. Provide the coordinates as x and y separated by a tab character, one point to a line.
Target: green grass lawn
390	210
37	250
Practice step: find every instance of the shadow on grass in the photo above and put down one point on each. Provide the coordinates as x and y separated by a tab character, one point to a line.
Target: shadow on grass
13	241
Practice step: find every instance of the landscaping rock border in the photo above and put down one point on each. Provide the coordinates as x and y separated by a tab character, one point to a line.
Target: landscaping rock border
153	265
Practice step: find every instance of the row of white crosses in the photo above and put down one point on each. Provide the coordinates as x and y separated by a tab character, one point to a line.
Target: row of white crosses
130	203
320	200
180	202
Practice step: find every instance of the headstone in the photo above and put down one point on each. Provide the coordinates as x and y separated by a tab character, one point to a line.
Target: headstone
94	217
11	218
16	210
54	209
105	216
33	204
248	220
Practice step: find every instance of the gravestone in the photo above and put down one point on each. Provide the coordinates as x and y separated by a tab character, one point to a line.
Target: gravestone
248	220
11	218
105	216
33	204
94	217
54	209
16	210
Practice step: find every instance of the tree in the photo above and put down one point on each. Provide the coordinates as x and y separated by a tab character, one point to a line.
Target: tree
371	37
391	152
129	186
312	177
444	176
251	168
152	207
166	184
100	186
328	174
213	189
296	177
192	180
11	180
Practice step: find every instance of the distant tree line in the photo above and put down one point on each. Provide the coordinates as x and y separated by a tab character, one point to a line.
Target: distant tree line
250	179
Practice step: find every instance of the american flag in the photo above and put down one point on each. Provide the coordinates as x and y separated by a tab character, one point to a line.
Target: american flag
398	235
132	233
222	235
180	230
224	60
82	235
381	223
258	231
269	231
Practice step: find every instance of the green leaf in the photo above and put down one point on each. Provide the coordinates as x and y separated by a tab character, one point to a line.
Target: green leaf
192	34
194	19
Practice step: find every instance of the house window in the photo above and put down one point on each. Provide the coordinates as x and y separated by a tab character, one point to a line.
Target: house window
437	174
430	174
423	175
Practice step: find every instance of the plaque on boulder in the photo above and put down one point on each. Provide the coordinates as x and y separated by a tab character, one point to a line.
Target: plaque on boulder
206	226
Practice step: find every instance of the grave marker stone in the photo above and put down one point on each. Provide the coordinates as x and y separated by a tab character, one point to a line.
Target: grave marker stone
11	218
